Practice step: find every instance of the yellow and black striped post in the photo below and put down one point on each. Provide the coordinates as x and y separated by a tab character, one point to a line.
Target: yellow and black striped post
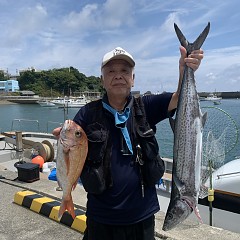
49	208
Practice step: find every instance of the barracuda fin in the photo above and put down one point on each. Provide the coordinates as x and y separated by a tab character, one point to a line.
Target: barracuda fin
196	44
180	185
172	123
204	119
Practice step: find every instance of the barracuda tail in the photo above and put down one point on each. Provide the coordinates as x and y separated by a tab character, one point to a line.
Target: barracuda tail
197	43
176	213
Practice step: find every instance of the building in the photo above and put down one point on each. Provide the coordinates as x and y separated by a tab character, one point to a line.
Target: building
2	86
9	86
29	69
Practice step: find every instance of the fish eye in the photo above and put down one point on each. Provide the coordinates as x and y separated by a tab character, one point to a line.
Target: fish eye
78	134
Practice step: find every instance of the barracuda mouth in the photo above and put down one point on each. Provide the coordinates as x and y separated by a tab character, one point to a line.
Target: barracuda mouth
176	213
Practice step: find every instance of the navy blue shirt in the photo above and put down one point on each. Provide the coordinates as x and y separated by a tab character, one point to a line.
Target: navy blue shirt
123	204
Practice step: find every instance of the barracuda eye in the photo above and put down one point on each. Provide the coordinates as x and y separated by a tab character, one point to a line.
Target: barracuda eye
78	134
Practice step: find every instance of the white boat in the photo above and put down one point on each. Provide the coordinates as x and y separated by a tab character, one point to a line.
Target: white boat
227	177
70	102
202	98
45	103
212	97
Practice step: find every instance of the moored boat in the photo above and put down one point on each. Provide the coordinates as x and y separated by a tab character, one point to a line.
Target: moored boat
212	97
70	102
45	103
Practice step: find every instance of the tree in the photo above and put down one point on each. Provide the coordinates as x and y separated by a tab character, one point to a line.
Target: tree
55	82
1	75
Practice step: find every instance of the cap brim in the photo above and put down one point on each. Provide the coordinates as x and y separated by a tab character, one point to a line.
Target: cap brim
120	57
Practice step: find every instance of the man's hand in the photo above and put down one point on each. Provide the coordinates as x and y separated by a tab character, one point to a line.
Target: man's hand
56	132
193	61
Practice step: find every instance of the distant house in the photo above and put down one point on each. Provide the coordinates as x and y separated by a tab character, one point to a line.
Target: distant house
9	86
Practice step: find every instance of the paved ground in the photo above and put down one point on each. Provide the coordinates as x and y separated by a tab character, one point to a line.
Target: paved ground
17	222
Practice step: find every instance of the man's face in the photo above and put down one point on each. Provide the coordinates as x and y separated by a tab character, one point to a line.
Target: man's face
118	77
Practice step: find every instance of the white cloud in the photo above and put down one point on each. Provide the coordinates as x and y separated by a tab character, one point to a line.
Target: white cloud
117	13
27	22
83	19
63	33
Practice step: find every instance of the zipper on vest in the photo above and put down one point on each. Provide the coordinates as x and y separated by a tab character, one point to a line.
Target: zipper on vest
140	162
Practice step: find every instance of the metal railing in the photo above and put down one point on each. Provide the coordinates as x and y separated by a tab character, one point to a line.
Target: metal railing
50	122
227	174
36	122
25	120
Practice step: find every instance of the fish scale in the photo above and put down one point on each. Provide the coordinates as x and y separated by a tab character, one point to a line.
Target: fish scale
187	150
184	142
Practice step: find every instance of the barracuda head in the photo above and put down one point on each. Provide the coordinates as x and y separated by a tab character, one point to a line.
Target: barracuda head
176	213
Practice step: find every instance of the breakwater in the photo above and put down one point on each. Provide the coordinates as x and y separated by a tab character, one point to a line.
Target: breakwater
224	95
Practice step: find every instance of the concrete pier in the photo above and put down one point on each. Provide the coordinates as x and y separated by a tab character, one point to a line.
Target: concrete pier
186	230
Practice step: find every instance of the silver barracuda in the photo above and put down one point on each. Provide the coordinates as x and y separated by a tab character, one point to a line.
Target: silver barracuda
187	150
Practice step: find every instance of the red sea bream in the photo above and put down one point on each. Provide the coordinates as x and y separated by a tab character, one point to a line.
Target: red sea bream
71	155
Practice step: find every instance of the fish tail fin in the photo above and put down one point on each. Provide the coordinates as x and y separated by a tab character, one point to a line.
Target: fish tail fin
180	36
66	205
201	38
197	43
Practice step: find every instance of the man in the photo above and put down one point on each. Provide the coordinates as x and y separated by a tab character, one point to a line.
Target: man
121	206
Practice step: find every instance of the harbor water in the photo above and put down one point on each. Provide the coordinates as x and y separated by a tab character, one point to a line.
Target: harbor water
33	117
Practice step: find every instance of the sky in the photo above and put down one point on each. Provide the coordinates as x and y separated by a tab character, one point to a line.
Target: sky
47	34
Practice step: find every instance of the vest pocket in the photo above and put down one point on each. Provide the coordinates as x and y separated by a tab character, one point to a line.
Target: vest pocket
97	140
93	173
148	142
153	166
93	180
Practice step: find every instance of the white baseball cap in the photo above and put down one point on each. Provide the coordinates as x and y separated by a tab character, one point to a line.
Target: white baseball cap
118	53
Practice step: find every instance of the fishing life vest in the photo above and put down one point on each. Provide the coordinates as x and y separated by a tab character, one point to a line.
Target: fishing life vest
96	174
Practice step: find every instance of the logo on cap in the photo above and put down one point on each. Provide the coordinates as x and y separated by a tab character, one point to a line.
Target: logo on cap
118	51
